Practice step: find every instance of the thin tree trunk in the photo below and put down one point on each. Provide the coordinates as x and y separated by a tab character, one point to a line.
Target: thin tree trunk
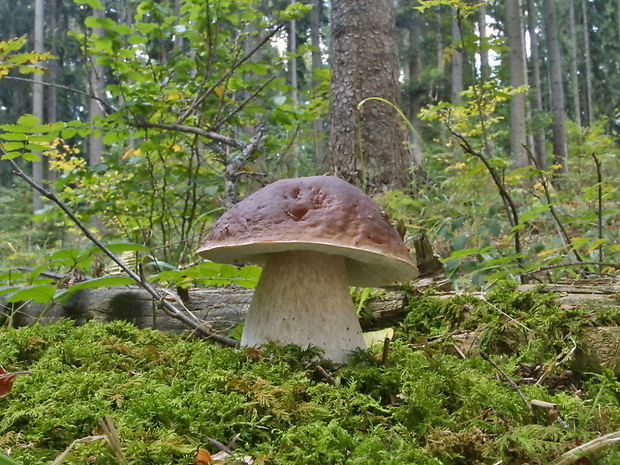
439	45
574	81
558	107
293	169
317	64
537	105
518	140
457	58
485	69
37	97
588	59
52	92
414	93
95	108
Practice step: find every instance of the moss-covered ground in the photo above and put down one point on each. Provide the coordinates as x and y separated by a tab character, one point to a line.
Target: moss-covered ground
425	404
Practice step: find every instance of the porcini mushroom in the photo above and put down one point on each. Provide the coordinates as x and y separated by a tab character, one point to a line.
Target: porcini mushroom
314	237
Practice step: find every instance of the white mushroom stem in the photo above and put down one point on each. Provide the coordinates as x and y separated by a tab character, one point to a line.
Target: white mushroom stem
303	298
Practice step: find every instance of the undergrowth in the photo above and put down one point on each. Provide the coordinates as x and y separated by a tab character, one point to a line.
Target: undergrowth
168	393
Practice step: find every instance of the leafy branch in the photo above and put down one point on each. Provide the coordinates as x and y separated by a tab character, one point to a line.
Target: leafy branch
511	208
166	306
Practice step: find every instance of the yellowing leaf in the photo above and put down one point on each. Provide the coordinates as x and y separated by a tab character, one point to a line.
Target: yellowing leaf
220	90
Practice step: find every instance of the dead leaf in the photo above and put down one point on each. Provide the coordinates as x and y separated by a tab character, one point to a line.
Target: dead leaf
7	379
202	457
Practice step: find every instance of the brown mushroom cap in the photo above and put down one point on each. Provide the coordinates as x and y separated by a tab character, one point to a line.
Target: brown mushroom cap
320	213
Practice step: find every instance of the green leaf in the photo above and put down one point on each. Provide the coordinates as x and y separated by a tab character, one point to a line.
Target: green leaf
137	40
36	147
10	146
31	156
28	121
103	43
94	4
43	293
106	281
96	22
14	136
4	460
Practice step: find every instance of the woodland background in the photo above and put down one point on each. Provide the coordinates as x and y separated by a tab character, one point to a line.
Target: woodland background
491	127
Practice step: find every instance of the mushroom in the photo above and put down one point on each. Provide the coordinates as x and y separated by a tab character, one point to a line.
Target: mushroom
314	237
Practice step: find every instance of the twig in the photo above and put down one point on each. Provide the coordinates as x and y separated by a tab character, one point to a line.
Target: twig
509	380
251	97
578	452
545	185
88	439
112	437
509	205
512	319
616	266
166	306
326	376
226	75
214	136
70	89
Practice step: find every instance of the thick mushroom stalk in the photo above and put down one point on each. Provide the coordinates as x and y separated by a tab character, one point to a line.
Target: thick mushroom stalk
303	298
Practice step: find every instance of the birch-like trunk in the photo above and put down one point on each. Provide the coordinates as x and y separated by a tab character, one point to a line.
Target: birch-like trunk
537	105
558	107
516	56
37	98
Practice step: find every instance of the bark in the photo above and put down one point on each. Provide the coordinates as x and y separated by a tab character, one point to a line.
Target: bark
367	145
558	108
485	69
588	59
414	91
95	108
52	92
317	64
457	58
37	97
574	74
516	55
537	105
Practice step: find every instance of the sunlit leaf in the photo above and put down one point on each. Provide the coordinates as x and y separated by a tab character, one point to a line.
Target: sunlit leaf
43	293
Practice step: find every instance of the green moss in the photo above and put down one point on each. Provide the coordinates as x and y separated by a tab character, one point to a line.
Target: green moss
167	393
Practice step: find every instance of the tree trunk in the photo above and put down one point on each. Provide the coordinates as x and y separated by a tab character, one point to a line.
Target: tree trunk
317	64
52	92
37	98
516	56
537	105
588	59
457	58
485	69
367	144
414	92
574	74
558	108
95	108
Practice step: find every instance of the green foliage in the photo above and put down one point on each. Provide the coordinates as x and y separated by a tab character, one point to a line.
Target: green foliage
24	62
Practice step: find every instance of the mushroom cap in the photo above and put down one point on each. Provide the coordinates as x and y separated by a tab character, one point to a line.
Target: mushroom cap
320	213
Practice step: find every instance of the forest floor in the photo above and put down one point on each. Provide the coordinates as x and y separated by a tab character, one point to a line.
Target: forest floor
514	376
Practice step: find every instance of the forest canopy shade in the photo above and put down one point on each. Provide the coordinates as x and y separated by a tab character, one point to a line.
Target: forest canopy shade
314	237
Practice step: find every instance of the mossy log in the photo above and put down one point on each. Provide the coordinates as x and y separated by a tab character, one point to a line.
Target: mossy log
224	308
